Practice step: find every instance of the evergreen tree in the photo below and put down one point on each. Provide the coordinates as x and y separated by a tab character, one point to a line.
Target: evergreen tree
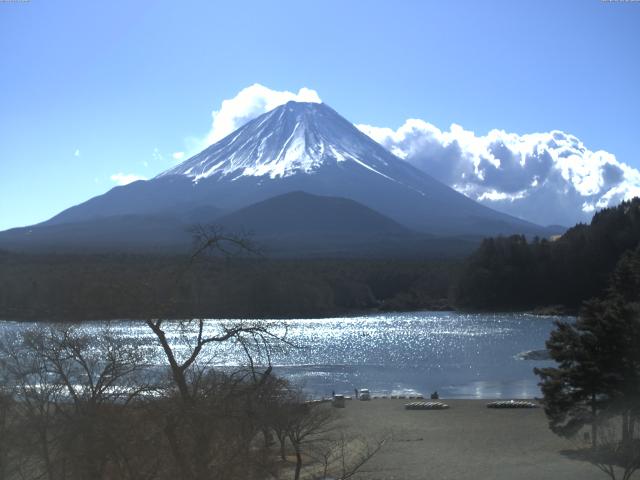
575	391
514	274
598	359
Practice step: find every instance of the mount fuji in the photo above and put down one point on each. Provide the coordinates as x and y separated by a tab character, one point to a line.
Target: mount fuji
306	148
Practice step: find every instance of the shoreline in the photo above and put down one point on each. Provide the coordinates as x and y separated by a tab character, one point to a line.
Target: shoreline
325	316
468	441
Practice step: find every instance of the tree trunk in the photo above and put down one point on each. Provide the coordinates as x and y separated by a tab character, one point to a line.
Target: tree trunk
282	452
298	463
46	456
268	437
594	427
176	451
201	452
626	427
176	371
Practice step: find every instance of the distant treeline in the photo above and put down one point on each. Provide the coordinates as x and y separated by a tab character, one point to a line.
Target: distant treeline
73	287
511	273
505	273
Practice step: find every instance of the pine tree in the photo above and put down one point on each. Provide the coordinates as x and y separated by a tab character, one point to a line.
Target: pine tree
598	359
574	391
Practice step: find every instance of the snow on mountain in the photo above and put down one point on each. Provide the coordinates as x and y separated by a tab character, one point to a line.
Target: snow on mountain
310	147
291	139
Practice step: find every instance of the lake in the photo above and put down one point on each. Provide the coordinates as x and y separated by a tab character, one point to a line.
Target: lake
458	354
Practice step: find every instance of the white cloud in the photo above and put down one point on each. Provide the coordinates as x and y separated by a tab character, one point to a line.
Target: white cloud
126	178
546	178
76	153
248	104
157	156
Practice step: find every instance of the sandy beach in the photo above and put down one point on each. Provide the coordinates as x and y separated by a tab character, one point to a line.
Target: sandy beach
467	441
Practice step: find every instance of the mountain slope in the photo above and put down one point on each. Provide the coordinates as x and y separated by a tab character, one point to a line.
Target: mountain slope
299	224
304	147
131	232
299	213
297	147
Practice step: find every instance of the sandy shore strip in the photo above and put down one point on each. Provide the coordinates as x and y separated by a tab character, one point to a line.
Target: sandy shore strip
467	441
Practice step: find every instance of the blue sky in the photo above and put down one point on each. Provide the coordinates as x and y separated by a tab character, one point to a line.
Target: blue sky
92	89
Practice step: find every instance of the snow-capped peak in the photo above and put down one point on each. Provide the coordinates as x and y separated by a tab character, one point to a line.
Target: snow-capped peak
291	139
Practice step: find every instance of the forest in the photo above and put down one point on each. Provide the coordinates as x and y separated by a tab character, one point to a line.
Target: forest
512	273
504	274
78	287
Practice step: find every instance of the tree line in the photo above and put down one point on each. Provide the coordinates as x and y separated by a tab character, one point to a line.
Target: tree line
504	273
512	273
76	287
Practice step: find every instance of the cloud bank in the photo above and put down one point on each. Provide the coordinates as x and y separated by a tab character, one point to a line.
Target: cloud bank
250	103
547	178
126	178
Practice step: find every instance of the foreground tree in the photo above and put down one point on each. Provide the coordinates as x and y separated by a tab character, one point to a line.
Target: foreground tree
614	457
71	398
596	381
598	359
213	417
74	407
6	410
596	367
320	448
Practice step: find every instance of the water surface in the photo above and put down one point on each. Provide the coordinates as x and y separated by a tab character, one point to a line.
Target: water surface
459	355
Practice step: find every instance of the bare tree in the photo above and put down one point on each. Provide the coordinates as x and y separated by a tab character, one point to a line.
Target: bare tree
320	447
343	457
212	240
80	405
208	401
242	332
307	422
37	394
72	393
617	453
6	410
